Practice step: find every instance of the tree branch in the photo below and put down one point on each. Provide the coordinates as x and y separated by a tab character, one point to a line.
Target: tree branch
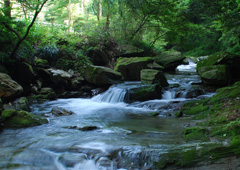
38	10
11	29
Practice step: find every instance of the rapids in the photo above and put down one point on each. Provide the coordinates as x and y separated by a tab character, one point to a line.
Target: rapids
128	136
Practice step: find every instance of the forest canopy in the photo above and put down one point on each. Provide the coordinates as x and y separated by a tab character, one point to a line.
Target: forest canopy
75	27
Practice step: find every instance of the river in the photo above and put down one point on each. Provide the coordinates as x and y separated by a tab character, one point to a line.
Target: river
127	135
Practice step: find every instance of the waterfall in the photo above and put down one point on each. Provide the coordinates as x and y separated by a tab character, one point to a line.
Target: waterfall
112	95
168	95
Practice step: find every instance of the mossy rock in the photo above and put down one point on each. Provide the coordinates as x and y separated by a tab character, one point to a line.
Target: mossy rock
216	75
231	61
101	76
41	62
151	76
21	119
145	92
169	60
130	68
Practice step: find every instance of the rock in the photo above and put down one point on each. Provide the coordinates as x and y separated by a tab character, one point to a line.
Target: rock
131	51
151	76
101	76
1	106
89	128
46	90
145	92
131	67
22	104
9	89
231	61
194	93
56	78
58	111
34	89
216	75
76	83
169	60
21	119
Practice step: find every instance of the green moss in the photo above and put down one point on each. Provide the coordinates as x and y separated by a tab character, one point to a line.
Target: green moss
196	133
20	119
41	97
235	144
41	62
125	61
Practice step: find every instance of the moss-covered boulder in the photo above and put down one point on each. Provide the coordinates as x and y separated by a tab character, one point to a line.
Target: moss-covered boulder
216	75
101	76
145	92
59	111
229	60
169	60
151	76
41	62
131	67
21	119
9	89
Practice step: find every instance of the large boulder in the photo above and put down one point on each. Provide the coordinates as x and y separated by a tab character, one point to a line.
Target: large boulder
151	76
216	75
101	76
55	78
145	92
170	60
131	67
9	89
21	119
229	60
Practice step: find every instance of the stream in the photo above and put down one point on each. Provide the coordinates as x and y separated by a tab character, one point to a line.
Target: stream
128	136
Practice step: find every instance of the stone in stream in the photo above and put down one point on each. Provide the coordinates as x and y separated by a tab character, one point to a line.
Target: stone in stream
101	76
58	111
151	76
130	68
21	119
169	60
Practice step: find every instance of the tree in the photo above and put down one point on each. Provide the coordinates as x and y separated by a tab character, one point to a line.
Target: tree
37	7
7	8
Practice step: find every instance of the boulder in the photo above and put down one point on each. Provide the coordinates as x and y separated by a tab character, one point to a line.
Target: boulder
101	76
21	119
22	104
169	60
59	111
145	92
131	67
231	61
76	83
216	75
46	93
151	76
193	93
9	89
54	78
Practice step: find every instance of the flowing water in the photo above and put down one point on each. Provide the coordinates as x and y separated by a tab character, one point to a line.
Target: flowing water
128	136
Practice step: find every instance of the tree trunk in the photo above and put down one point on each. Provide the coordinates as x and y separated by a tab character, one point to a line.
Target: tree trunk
82	6
108	22
99	10
7	8
70	21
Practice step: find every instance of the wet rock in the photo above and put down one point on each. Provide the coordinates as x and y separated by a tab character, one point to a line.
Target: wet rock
146	92
71	159
46	93
76	83
20	119
130	68
22	104
194	93
169	60
59	111
9	89
85	128
151	76
101	76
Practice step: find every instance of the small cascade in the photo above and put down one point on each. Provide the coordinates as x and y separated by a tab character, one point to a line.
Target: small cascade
169	95
112	95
